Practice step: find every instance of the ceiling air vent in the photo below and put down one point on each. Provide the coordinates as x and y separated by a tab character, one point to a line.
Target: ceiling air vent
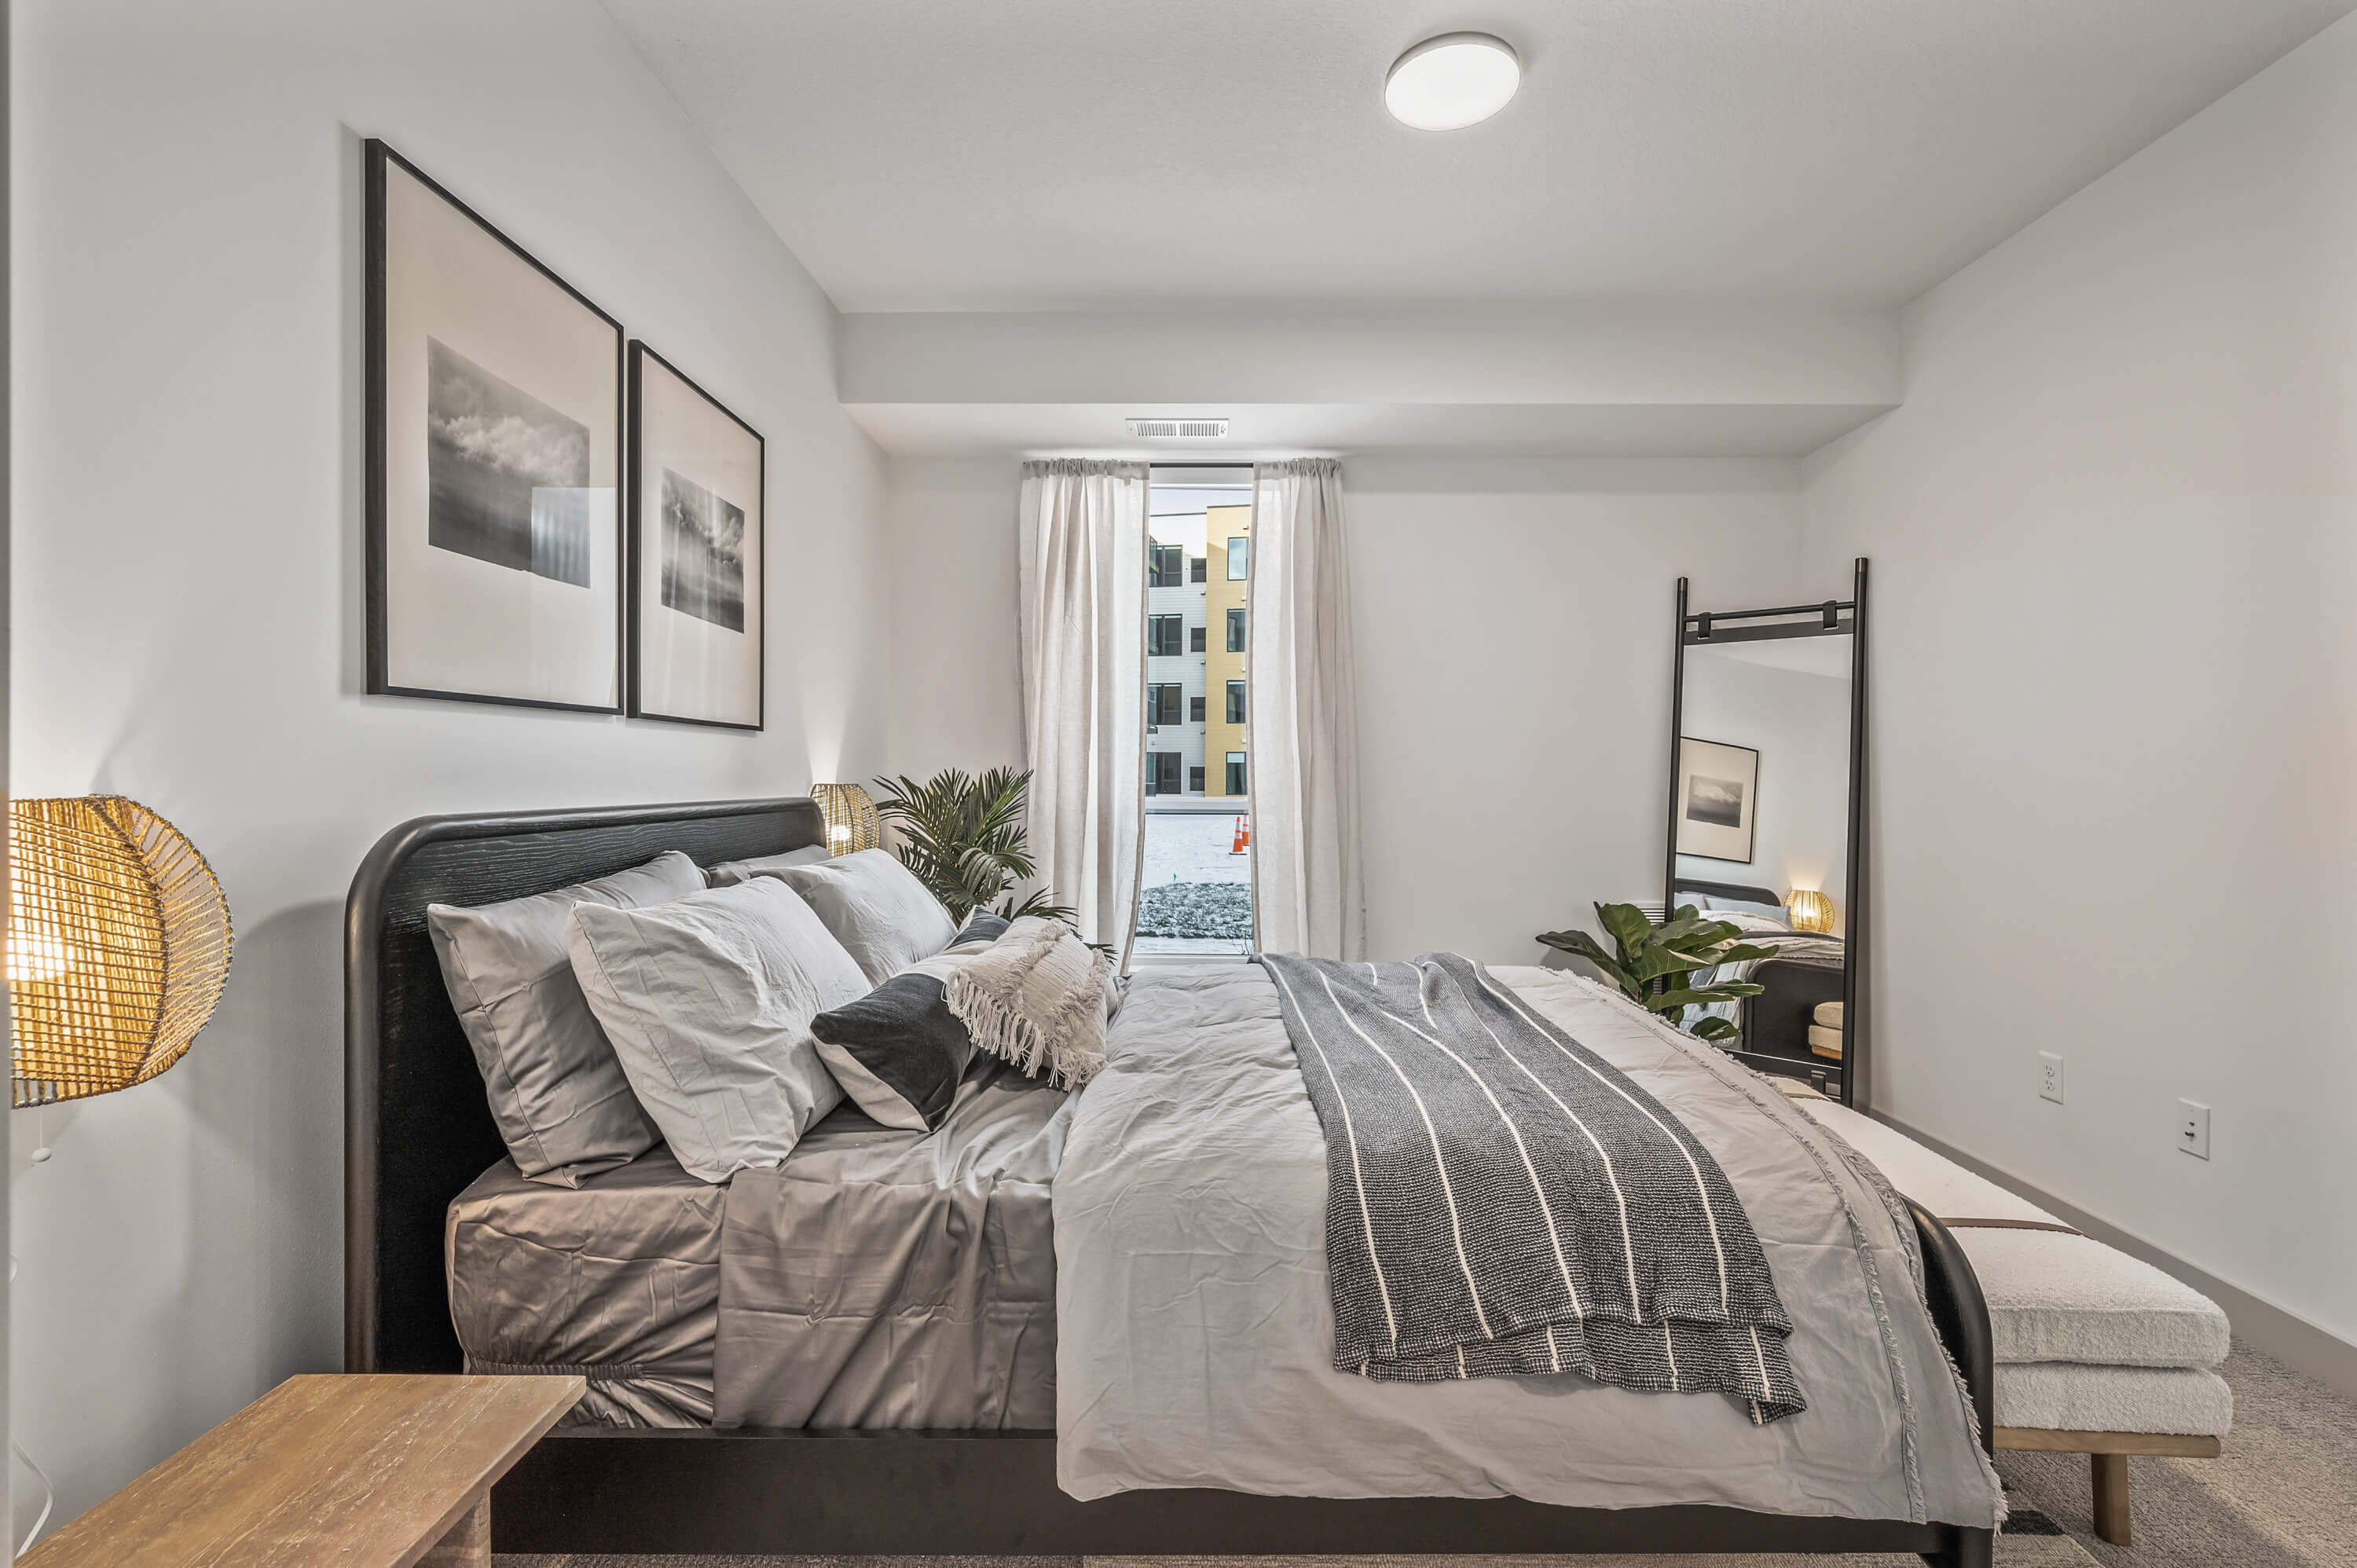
1178	429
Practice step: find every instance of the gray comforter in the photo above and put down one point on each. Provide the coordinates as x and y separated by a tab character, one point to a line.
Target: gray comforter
1197	1338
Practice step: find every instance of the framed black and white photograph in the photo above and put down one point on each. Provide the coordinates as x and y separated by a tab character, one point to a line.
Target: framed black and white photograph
696	520
1719	800
494	410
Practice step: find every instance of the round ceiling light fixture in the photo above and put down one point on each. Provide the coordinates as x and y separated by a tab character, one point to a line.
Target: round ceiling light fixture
1452	81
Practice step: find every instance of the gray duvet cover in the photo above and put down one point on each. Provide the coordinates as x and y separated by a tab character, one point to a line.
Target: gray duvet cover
1197	1334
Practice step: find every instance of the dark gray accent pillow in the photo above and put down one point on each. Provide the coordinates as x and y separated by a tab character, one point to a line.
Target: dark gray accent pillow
557	1089
899	1051
982	927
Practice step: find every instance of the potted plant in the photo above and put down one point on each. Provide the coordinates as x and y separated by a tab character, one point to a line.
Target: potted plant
1654	964
963	837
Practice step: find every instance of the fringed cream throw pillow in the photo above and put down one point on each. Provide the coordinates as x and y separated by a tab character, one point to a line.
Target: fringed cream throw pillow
1037	998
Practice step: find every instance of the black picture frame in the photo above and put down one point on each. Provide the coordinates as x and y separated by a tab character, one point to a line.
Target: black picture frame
638	531
377	159
1746	809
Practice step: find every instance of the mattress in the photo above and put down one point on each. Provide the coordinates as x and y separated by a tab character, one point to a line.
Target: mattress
617	1279
878	1278
1195	1329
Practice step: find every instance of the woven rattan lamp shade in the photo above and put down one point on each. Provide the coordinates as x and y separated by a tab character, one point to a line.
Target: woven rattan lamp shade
1810	909
118	944
852	823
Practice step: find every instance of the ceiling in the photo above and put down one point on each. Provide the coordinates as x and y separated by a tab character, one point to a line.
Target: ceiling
1026	155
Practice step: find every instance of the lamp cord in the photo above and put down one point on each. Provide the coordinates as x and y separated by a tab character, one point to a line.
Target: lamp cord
49	1489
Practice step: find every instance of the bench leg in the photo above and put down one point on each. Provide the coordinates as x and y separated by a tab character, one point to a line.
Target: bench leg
469	1543
2110	1472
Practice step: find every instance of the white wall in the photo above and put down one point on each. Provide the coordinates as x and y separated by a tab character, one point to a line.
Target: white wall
1513	620
2113	672
187	593
1513	634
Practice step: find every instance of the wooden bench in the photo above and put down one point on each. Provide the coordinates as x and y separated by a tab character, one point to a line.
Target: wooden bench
348	1471
2107	1453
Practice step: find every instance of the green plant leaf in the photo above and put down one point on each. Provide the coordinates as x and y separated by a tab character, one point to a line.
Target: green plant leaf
1625	924
1740	954
1713	1027
1581	945
1727	991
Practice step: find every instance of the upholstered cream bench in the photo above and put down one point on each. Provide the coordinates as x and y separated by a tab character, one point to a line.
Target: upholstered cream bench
2097	1353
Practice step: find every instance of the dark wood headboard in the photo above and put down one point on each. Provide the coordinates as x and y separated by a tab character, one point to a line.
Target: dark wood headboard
416	1127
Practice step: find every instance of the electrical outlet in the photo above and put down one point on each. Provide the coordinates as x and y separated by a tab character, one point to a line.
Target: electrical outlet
2049	1077
2193	1128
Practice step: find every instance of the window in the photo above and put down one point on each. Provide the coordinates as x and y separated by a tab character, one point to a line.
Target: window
1162	772
1165	635
1235	631
1235	773
1195	775
1162	705
1236	702
1195	714
1239	557
1195	639
1195	573
1166	566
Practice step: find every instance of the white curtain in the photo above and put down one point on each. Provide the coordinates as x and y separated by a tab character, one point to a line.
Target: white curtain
1307	892
1081	527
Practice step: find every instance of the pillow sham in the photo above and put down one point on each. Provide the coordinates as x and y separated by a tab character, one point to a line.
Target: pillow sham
1039	997
981	928
708	1000
898	1052
729	873
559	1095
882	915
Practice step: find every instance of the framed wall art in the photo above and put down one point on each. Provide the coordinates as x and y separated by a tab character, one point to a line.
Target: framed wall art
1719	800
494	410
698	516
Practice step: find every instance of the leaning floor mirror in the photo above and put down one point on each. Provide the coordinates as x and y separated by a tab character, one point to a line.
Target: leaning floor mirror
1767	824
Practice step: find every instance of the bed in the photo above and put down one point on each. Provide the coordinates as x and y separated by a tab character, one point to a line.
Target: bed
419	1137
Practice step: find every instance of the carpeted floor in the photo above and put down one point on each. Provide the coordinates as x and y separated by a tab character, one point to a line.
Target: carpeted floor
2282	1495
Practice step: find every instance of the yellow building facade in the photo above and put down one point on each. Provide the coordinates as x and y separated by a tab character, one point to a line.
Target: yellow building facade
1226	639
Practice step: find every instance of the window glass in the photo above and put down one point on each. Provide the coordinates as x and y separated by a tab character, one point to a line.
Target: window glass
1195	776
1162	705
1235	631
1162	772
1195	574
1195	715
1239	557
1194	640
1235	773
1166	567
1236	702
1165	635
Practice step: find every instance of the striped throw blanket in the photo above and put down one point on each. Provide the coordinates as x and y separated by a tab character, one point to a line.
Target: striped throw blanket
1503	1202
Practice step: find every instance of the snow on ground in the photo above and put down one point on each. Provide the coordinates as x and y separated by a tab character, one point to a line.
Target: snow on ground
1189	848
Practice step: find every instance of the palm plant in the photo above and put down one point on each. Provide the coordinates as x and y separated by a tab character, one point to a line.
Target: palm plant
963	837
1654	965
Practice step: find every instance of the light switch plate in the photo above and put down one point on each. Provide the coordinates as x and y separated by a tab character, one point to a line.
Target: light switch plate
2049	1077
2193	1128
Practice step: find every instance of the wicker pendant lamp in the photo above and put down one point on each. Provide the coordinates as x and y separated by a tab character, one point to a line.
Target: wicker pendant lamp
852	823
118	944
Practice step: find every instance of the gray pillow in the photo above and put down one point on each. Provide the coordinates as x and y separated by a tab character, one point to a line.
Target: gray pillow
729	873
899	1051
558	1095
883	915
708	1000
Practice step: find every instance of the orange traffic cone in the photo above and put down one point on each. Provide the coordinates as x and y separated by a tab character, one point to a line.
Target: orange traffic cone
1244	836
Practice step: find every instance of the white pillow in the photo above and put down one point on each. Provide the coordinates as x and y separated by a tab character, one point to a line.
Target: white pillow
883	915
708	1000
729	873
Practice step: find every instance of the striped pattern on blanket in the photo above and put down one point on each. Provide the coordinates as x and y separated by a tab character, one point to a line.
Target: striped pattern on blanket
1501	1200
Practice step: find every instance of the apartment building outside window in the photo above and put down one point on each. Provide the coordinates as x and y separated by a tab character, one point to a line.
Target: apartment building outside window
1235	773
1195	639
1166	566
1236	702
1162	772
1162	705
1235	631
1164	636
1239	557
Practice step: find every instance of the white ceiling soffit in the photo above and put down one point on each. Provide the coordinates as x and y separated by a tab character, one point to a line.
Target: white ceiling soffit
1633	381
1065	155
